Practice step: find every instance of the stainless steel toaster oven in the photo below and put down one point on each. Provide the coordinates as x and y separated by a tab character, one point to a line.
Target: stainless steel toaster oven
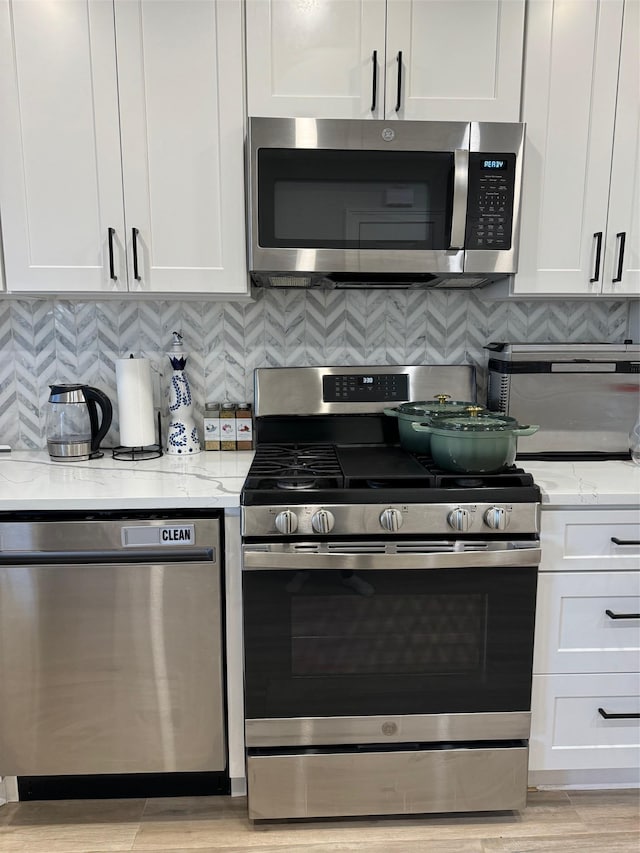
585	397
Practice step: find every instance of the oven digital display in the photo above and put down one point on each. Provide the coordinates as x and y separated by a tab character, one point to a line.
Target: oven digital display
365	388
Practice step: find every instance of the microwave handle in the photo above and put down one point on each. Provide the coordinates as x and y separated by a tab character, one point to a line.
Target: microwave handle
460	190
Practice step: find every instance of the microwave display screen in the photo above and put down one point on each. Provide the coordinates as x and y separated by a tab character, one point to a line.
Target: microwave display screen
494	165
311	198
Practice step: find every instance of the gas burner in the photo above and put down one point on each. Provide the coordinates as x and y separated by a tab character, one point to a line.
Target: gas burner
296	479
296	485
468	482
295	467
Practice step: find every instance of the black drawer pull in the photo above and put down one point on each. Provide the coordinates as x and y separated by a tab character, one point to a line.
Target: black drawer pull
621	236
374	93
399	92
617	541
112	272
613	615
608	716
134	244
596	273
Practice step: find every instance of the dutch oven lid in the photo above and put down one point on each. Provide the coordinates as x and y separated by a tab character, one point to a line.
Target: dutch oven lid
476	419
440	404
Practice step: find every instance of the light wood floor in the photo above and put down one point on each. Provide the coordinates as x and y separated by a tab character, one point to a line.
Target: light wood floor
554	822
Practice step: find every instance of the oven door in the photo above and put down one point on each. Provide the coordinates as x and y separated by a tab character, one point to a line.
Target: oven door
357	643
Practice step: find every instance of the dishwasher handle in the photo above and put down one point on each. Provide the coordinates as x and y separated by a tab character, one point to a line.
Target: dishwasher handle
102	556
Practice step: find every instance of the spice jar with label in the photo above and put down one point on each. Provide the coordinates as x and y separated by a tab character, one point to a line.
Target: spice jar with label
227	426
211	426
244	427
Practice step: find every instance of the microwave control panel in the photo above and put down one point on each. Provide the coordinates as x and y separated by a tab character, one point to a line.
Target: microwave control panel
490	201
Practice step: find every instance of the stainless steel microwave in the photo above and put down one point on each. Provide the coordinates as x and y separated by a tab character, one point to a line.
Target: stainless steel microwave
351	203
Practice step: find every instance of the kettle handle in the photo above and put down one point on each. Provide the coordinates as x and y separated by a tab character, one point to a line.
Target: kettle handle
94	396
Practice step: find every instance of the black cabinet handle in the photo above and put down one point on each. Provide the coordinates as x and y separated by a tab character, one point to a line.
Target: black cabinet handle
608	716
374	93
112	272
134	244
596	273
399	94
621	236
613	615
617	541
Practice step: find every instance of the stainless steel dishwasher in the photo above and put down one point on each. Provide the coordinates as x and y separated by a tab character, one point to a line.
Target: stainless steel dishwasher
111	644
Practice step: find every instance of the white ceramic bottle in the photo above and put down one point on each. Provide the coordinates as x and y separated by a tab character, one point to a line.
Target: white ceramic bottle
182	433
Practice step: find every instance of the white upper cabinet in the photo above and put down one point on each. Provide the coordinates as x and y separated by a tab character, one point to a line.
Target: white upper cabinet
60	175
621	266
121	167
459	60
440	60
580	183
322	59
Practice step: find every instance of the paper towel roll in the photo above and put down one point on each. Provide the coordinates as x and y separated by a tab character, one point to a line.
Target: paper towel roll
135	402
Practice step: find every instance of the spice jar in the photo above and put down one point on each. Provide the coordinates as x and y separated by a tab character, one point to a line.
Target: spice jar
227	426
244	427
211	426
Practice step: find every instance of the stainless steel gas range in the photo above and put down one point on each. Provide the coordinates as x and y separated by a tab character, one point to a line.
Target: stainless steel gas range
388	606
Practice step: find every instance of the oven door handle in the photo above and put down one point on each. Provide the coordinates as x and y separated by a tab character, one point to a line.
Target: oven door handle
254	560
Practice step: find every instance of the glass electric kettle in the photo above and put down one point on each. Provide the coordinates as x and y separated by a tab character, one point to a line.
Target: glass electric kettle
74	430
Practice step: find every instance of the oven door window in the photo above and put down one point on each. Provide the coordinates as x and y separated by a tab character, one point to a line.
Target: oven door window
354	199
330	643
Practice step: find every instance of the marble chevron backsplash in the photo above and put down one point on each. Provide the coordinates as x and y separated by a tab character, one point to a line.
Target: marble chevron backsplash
43	341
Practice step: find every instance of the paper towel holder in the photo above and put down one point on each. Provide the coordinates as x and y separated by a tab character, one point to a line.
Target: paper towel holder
137	454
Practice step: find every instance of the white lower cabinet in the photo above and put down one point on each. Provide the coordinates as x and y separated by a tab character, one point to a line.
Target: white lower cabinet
586	683
571	733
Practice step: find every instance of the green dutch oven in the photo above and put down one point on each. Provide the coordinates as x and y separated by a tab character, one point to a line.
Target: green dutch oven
418	412
476	442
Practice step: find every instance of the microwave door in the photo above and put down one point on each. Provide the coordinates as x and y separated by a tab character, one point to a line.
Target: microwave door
328	210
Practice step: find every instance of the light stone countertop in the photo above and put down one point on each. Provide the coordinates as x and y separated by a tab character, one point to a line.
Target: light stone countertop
30	480
580	484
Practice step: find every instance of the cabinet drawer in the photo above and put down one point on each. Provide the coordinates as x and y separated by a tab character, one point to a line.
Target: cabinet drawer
587	622
585	540
569	733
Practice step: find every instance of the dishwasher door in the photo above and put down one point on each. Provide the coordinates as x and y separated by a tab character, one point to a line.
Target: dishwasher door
111	647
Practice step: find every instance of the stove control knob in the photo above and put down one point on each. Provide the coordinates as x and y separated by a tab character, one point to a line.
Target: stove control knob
391	519
460	519
497	518
286	522
323	521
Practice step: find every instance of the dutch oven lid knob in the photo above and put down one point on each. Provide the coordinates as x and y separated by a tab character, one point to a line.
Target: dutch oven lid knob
474	411
442	398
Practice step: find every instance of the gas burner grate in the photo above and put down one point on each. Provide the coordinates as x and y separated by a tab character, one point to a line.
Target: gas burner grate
295	467
508	478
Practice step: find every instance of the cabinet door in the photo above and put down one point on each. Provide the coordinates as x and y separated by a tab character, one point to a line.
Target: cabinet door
568	732
461	59
572	53
590	540
182	123
587	622
60	171
622	274
315	59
